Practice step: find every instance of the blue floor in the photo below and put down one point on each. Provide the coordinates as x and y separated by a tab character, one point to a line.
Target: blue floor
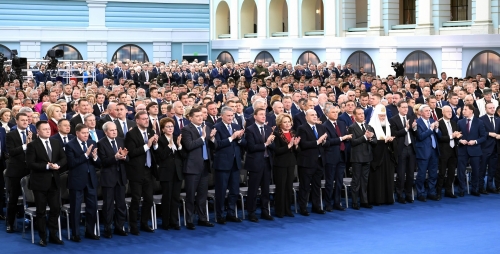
463	225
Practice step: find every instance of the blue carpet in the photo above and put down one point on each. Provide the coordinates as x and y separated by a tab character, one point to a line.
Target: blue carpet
463	225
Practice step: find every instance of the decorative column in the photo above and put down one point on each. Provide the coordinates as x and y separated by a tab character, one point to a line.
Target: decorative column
233	19
451	61
97	13
390	14
482	22
333	55
293	19
97	51
387	55
375	22
285	55
30	49
162	51
425	23
330	18
244	55
262	18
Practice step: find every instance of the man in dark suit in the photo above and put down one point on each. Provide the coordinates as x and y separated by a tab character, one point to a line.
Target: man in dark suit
113	156
311	161
489	148
197	141
15	145
90	122
44	158
300	118
42	75
124	73
469	149
448	144
123	125
404	128
140	171
427	153
336	156
259	161
83	108
227	164
180	121
347	117
100	106
81	154
436	113
361	156
145	78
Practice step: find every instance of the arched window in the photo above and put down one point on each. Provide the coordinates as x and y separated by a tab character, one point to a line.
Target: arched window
278	18
130	52
360	59
484	62
308	57
248	19
421	63
222	15
5	51
225	57
312	18
70	52
264	56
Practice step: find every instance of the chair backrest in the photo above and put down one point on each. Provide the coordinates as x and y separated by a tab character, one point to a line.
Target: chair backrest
28	196
64	187
156	187
244	177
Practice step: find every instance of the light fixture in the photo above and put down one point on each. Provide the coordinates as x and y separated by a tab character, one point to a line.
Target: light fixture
317	11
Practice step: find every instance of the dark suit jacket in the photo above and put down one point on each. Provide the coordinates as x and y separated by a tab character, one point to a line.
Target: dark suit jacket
298	120
74	121
423	141
177	130
398	131
192	142
170	163
284	156
37	159
256	149
58	137
394	109
79	166
97	110
344	117
332	152
102	121
112	172
120	75
490	143
444	140
119	127
30	126
295	110
309	149
142	77
3	147
361	148
134	142
477	132
16	166
226	152
271	119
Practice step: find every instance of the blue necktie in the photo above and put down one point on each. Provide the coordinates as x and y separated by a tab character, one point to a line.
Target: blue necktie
85	150
124	129
205	154
315	132
148	153
432	136
230	129
92	135
24	137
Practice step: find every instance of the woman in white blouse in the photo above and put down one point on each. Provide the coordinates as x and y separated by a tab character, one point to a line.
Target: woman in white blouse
5	114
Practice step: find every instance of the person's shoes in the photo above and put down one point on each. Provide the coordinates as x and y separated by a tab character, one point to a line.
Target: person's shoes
289	214
174	226
91	236
253	218
483	192
304	212
279	215
461	194
355	206
329	209
493	191
75	238
422	199
266	216
120	232
55	240
205	224
366	205
450	195
409	200
401	200
147	228
43	243
190	226
221	220
10	229
318	211
134	231
433	197
2	217
233	219
475	193
339	208
107	234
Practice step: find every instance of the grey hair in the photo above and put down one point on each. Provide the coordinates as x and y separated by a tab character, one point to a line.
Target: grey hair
26	110
226	109
106	124
87	116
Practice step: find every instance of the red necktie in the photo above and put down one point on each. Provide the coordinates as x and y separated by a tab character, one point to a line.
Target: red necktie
337	129
352	119
434	115
182	124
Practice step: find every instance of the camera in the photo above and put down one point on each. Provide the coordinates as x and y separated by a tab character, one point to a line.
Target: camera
398	68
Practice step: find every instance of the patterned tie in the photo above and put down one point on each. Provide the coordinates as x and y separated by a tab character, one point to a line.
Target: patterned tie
49	151
434	115
205	154
230	129
337	130
148	153
64	140
181	124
